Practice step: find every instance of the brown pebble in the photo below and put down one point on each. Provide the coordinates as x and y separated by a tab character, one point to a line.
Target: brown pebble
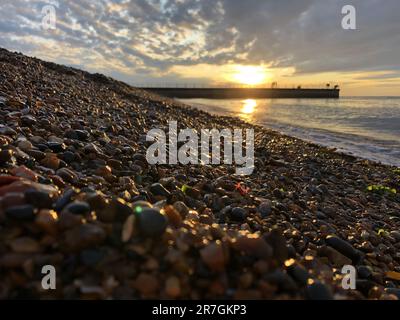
214	256
173	287
46	220
24	245
146	284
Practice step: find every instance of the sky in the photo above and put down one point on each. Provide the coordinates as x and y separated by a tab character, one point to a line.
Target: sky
215	42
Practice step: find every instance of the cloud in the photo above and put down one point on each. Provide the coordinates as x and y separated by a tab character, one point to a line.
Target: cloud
152	38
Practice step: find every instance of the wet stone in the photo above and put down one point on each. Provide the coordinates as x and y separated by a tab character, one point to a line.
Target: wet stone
214	256
25	145
265	208
28	120
67	175
64	199
24	245
254	246
68	156
46	220
117	209
7	131
84	236
82	135
5	156
393	291
56	147
77	207
278	244
182	208
318	291
297	272
364	272
151	222
158	189
238	214
21	213
344	248
39	199
395	235
91	257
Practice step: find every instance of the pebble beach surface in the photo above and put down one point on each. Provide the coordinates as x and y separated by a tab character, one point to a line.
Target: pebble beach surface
76	192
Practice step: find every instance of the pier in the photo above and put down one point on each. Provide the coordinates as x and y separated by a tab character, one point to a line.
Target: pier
244	93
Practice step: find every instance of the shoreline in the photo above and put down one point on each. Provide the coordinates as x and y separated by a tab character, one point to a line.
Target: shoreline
351	144
76	192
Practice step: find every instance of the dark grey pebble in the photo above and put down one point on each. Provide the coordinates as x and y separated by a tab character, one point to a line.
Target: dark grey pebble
318	291
78	207
364	272
393	291
39	199
21	213
64	199
299	274
151	222
238	214
344	248
158	189
56	147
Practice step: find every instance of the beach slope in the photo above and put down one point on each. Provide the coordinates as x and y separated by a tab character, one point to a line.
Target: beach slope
77	193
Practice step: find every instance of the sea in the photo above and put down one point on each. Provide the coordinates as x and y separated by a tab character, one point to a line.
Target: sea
367	127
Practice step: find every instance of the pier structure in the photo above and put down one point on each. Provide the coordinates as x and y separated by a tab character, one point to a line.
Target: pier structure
244	93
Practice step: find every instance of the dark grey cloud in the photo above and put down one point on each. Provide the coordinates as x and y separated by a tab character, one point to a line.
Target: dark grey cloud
151	36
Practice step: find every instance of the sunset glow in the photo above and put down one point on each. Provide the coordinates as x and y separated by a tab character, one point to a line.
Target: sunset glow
250	75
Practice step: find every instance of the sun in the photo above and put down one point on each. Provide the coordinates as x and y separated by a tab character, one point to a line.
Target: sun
250	75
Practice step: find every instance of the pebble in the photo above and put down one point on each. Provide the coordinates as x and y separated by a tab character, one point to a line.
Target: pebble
297	272
6	156
51	161
318	291
77	207
24	172
28	120
67	175
46	220
116	210
182	208
393	291
39	199
128	228
64	199
151	222
25	145
21	213
335	257
254	246
84	236
344	248
146	284
7	131
395	235
364	272
24	245
238	214
173	287
265	208
214	256
173	216
158	189
56	146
